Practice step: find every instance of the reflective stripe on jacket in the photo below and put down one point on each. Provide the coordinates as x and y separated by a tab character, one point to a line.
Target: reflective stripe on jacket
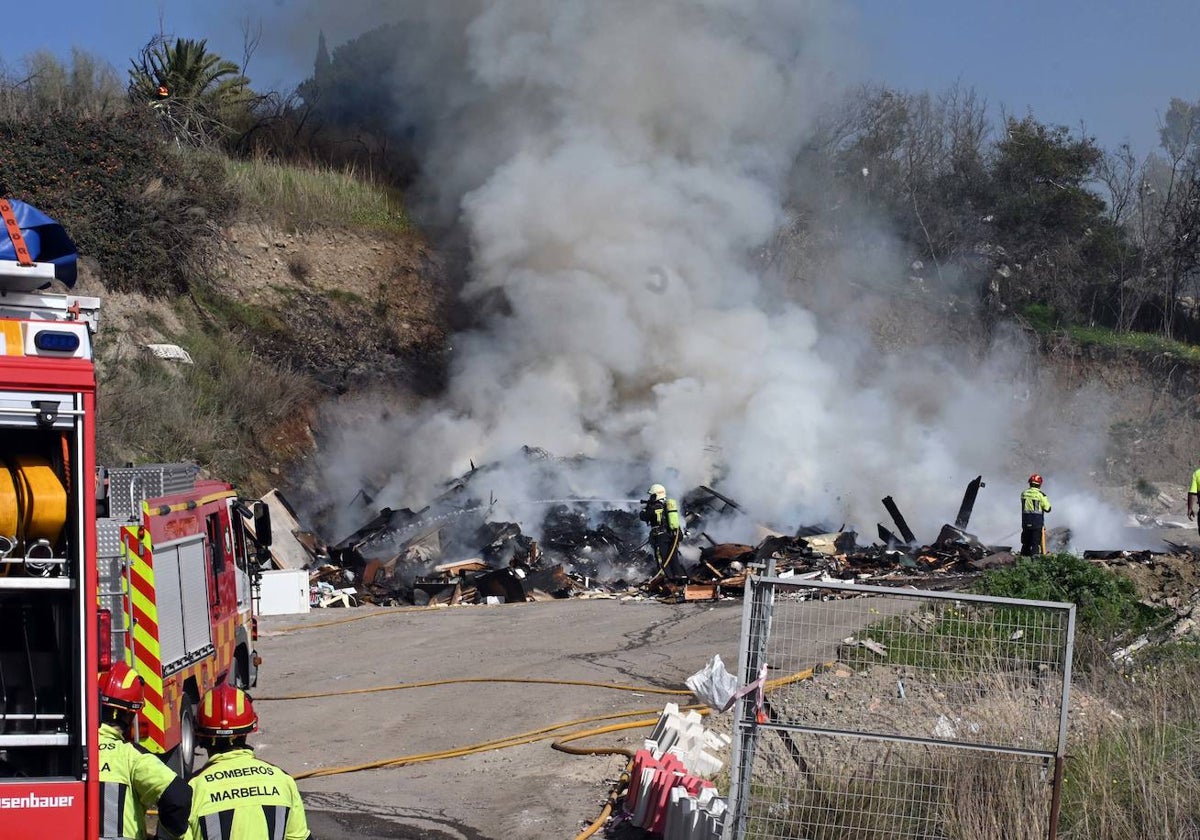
1033	500
1034	504
238	797
127	769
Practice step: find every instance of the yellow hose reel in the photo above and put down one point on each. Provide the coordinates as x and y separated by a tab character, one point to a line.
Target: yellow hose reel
33	503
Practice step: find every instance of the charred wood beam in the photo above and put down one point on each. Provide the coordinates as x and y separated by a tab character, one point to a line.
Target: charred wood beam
887	537
968	503
723	498
898	518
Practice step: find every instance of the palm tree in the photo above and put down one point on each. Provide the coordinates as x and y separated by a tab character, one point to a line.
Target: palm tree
196	90
189	71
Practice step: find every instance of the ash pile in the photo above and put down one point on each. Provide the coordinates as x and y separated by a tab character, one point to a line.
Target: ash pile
461	548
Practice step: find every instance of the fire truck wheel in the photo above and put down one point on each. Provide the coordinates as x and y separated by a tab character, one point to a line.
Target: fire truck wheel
238	671
183	758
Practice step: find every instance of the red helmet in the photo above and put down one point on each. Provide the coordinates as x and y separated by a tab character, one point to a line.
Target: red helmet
226	712
1035	480
122	687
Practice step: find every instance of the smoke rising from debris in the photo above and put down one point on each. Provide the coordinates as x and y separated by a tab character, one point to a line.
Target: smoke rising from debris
619	168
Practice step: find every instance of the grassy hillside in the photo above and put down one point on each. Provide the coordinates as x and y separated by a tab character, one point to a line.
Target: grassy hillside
308	281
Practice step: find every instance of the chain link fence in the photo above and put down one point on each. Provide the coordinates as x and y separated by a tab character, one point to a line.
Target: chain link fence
928	715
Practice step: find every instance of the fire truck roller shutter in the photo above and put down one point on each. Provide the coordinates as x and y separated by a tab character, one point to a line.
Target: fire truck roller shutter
33	501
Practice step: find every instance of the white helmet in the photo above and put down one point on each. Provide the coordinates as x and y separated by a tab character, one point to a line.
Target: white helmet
658	491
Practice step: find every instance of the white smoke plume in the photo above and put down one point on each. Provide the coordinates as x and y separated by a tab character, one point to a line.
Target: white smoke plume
617	166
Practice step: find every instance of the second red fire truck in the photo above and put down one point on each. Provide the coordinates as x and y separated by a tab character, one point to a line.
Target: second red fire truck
178	562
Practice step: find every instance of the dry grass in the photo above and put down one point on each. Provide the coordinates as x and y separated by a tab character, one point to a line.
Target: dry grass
305	197
219	412
1138	774
1132	768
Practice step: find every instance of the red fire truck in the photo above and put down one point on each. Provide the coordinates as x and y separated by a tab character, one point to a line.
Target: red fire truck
48	624
179	559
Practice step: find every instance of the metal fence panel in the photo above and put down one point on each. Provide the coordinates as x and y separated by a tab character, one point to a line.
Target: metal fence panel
931	714
829	786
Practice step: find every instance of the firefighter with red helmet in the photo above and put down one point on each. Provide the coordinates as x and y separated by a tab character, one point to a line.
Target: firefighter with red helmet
1034	506
132	779
235	796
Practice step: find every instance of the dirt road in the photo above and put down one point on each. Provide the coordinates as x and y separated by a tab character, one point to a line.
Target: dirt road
528	791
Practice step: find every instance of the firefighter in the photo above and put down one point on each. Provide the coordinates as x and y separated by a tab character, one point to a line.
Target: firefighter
235	796
132	779
662	515
1034	506
1193	494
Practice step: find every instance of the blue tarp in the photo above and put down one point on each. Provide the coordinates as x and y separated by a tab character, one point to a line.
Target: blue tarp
46	240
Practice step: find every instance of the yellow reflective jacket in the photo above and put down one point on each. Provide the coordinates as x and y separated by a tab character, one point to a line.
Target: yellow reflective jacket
238	797
1195	488
1034	501
131	780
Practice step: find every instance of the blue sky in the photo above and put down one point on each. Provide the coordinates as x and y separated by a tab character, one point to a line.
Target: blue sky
1112	65
1115	65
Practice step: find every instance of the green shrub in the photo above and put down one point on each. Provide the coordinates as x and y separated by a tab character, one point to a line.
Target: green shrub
1139	342
141	209
1106	602
1041	316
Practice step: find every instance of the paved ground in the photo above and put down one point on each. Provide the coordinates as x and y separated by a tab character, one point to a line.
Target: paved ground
529	791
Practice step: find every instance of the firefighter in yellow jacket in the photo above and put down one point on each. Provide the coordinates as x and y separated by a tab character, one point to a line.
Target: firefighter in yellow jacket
132	779
1193	494
662	515
1034	506
235	796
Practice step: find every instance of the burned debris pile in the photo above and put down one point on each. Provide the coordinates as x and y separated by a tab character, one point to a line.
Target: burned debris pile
465	547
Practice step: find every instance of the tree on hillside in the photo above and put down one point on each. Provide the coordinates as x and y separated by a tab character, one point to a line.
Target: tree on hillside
919	161
1178	214
204	93
1041	175
1050	221
1157	202
353	87
352	110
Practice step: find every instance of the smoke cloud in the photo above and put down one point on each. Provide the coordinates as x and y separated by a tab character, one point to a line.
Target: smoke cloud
618	168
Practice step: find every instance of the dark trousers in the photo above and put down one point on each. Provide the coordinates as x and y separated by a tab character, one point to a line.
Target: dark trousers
666	553
1033	535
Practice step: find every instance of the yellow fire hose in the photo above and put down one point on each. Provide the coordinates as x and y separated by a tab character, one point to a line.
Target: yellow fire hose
517	740
534	735
522	738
